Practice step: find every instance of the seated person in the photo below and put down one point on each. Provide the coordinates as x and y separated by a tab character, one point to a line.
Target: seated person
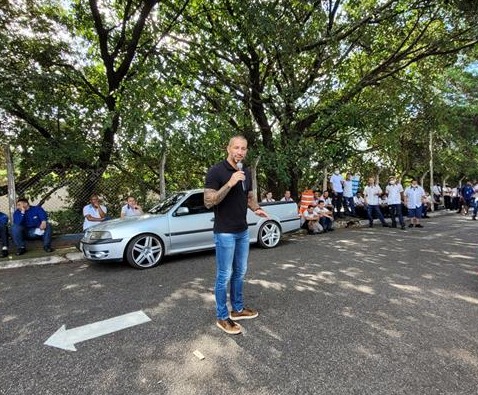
131	208
426	205
30	222
360	209
268	198
311	221
317	197
326	217
328	201
287	197
4	233
94	212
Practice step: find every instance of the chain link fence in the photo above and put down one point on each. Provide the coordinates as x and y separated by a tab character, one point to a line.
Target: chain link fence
63	196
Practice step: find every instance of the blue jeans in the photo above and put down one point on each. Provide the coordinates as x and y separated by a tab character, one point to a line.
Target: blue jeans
20	233
374	208
232	252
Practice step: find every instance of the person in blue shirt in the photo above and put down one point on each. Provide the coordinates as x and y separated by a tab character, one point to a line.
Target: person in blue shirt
30	222
4	233
467	193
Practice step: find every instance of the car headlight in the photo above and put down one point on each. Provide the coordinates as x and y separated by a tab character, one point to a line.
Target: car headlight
99	235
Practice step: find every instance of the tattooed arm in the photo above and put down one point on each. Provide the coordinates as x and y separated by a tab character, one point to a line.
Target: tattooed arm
213	197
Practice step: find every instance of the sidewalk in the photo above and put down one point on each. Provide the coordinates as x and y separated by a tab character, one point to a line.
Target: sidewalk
65	251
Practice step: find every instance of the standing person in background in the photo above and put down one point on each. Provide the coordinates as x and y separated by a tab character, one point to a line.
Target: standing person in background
372	194
437	194
4	233
467	193
413	200
228	189
447	197
30	222
355	184
394	191
349	195
337	183
94	212
131	208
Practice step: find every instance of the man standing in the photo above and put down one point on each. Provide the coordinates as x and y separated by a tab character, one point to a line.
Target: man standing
348	195
229	190
30	222
337	183
413	199
372	194
394	192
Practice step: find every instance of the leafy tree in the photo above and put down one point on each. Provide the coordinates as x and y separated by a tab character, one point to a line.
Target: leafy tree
288	74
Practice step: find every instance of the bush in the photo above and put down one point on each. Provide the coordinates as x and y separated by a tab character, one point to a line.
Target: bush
66	221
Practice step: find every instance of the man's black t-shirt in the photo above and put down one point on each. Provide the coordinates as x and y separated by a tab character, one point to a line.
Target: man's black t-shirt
229	215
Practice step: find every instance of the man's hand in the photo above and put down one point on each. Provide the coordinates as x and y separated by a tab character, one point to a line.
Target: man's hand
236	177
261	213
43	225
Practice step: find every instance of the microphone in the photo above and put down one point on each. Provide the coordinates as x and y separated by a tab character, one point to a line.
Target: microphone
239	167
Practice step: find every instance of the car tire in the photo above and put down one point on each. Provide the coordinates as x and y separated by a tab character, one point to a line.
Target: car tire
145	251
269	234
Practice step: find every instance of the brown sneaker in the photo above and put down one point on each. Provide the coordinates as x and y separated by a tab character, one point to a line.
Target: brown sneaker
229	326
245	314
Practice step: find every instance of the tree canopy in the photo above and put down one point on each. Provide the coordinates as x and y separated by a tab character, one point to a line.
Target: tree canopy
148	91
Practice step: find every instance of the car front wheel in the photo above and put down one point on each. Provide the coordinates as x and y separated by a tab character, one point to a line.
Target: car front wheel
269	234
145	251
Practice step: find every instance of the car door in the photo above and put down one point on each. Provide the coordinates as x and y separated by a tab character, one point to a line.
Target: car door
191	225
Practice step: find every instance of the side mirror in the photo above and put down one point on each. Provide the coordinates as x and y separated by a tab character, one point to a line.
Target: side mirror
182	211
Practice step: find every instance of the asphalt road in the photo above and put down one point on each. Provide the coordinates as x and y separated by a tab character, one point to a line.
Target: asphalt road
356	311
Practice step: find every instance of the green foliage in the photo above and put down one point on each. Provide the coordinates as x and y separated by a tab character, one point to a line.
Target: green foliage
94	94
66	221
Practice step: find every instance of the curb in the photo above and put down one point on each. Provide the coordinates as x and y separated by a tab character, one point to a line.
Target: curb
46	260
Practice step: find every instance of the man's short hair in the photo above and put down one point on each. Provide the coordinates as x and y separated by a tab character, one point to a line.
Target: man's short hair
23	200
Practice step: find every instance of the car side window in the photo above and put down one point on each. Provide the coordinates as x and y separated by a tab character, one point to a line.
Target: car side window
195	204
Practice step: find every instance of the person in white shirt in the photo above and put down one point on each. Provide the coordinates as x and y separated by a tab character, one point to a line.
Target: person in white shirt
311	221
394	191
337	184
447	197
359	203
268	198
413	200
326	217
287	197
372	194
437	194
348	195
94	212
131	208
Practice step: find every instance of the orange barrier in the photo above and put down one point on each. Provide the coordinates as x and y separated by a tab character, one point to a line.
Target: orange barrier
306	199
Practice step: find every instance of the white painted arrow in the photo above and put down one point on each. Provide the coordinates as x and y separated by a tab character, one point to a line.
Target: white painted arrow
66	339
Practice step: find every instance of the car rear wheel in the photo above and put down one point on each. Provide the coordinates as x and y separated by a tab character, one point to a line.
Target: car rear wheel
145	251
269	234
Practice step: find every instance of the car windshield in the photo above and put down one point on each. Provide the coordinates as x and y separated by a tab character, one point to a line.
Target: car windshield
165	205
